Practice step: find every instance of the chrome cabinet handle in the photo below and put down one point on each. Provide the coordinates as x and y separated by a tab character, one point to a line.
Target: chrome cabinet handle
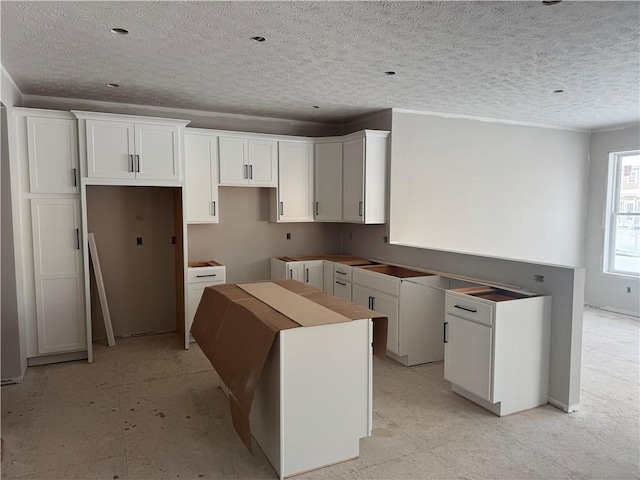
204	276
317	211
342	283
245	172
359	209
444	333
281	208
466	309
75	177
213	206
291	273
373	304
251	172
307	280
138	163
77	239
370	302
131	164
341	273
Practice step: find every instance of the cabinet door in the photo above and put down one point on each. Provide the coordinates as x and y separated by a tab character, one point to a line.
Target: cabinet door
110	149
328	182
295	271
201	182
157	152
233	161
263	163
295	182
468	355
381	303
353	178
421	323
313	274
57	263
53	155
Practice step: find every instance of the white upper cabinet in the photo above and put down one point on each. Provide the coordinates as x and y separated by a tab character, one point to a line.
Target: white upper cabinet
293	201
122	147
328	182
53	155
248	161
201	177
364	177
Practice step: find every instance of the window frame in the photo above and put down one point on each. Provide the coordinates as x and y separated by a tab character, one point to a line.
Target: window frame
616	208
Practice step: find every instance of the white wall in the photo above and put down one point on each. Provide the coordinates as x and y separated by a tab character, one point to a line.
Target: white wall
13	349
605	290
493	189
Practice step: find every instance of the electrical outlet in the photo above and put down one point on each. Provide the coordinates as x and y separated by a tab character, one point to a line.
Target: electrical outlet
628	289
538	278
288	236
138	241
386	239
350	235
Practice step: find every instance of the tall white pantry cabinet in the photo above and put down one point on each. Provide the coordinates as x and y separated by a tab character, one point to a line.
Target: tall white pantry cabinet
45	183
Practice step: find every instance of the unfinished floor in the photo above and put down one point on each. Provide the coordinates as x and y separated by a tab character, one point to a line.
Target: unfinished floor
148	410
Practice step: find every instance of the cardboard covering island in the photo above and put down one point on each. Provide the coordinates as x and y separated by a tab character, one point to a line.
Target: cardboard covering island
237	327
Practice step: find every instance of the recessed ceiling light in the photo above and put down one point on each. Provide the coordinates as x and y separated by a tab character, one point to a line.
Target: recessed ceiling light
558	91
258	39
315	106
113	85
390	72
119	31
550	2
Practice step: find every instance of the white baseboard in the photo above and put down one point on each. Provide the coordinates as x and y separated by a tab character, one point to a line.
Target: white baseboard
9	381
614	310
563	406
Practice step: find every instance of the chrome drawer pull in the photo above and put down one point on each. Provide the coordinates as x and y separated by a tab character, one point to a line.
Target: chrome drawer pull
444	334
467	309
341	273
203	276
341	283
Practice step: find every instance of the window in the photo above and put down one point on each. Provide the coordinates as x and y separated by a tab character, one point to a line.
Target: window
622	242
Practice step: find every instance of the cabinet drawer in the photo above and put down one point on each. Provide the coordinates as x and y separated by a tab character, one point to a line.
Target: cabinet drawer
342	272
377	281
206	275
464	307
342	289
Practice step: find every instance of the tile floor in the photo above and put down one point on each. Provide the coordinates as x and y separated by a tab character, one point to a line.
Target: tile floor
148	410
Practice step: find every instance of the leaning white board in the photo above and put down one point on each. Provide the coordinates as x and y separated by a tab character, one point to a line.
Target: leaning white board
97	270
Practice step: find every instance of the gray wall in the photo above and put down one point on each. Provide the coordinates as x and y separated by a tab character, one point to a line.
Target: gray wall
605	290
564	284
245	239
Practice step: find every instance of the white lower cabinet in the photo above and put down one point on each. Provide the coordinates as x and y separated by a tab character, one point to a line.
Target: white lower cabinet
310	272
381	303
413	302
497	347
199	278
57	263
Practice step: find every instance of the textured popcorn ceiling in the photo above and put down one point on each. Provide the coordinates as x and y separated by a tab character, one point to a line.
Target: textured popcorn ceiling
490	59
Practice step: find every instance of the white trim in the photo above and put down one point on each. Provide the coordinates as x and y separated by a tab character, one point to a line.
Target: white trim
5	74
114	106
488	119
629	313
84	115
615	128
563	406
43	112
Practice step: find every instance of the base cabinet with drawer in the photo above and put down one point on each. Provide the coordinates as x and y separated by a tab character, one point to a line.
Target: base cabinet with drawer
497	347
199	278
414	304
